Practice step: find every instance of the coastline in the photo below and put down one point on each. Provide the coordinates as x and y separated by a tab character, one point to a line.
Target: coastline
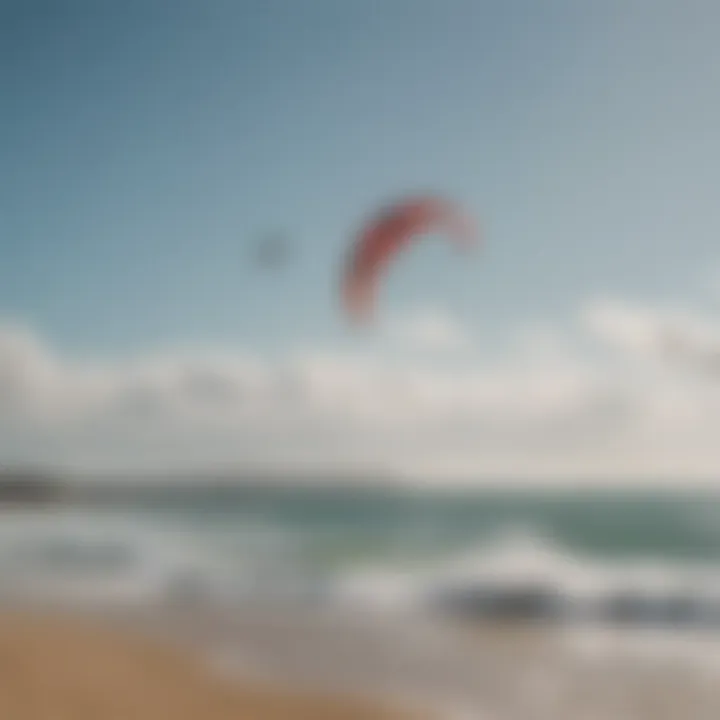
222	583
278	664
55	664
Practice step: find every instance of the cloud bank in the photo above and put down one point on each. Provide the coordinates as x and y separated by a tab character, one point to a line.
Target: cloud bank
622	393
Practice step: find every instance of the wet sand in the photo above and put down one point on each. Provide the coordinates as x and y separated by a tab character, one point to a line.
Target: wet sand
273	663
59	667
481	671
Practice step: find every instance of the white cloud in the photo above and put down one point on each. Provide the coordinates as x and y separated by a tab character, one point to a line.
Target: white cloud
597	400
431	330
674	335
627	328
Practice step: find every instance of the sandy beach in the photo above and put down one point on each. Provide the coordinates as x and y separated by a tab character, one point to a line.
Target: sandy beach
55	667
447	671
278	665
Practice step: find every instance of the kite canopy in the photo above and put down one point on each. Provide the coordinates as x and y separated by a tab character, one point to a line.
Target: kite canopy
385	235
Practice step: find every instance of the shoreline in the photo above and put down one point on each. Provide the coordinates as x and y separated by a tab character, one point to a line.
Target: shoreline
273	663
59	664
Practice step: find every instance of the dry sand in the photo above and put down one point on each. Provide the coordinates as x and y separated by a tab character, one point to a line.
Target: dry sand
59	668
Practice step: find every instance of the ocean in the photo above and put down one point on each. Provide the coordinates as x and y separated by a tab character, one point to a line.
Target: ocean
361	590
220	542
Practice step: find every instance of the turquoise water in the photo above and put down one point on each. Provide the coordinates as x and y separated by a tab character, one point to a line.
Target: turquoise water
382	524
237	540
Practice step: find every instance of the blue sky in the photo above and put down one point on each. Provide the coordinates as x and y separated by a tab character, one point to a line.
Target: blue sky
145	144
